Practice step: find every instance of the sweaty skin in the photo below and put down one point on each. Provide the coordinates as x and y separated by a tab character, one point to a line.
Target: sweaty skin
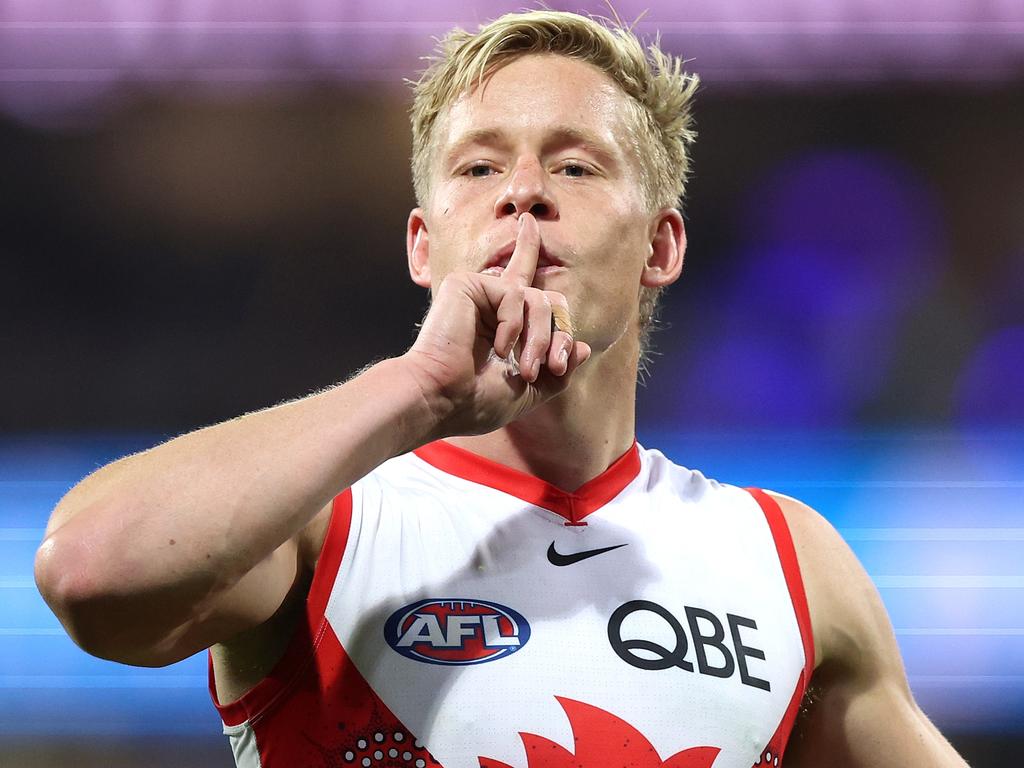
521	315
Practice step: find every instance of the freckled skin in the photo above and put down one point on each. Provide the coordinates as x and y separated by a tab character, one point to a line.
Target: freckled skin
597	222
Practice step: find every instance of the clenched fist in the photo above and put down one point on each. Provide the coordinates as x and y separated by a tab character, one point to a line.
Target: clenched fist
488	350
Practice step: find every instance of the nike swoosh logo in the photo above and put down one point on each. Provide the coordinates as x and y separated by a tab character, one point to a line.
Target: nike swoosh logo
556	558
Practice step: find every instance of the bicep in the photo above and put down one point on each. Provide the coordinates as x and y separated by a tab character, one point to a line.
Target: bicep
852	725
253	601
258	597
248	603
861	712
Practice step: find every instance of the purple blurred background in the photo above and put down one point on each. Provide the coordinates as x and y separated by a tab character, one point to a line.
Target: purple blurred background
203	213
207	169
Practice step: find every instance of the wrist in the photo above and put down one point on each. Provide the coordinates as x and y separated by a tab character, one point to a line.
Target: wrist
431	407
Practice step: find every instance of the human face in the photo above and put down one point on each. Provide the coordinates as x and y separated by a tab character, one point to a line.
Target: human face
549	135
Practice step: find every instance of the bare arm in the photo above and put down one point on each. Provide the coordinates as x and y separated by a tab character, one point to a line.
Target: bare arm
862	713
165	552
172	550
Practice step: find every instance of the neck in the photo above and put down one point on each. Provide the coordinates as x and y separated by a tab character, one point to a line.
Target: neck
577	435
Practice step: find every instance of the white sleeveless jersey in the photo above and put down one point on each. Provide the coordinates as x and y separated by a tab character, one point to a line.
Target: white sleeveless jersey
467	615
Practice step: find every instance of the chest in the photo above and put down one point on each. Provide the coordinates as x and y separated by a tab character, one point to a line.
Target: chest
484	622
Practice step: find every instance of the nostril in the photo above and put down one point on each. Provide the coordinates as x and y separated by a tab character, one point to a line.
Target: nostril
539	210
509	209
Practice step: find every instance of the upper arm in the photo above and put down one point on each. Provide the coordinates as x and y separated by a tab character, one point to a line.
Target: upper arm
861	711
249	603
168	625
254	607
245	658
143	635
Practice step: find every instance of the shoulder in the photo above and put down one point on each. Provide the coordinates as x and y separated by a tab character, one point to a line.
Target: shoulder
400	475
859	710
659	471
850	625
404	474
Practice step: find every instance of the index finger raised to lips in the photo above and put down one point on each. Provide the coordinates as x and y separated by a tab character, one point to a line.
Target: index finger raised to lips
522	264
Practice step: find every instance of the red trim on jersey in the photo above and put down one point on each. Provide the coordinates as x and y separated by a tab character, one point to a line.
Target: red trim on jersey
776	747
791	570
307	635
329	711
329	561
574	506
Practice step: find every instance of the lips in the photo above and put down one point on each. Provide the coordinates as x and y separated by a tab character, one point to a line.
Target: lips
502	257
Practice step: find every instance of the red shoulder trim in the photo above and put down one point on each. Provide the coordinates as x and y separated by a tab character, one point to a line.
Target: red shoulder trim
573	506
308	633
794	581
329	561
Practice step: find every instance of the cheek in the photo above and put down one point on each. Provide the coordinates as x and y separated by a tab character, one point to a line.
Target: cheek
466	195
616	282
447	209
611	290
451	244
624	250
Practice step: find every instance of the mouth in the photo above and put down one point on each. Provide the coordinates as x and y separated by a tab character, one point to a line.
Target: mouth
546	262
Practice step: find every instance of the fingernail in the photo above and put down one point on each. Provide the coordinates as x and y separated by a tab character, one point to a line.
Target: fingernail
521	220
563	356
535	369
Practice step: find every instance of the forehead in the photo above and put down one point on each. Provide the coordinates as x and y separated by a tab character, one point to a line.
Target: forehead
536	92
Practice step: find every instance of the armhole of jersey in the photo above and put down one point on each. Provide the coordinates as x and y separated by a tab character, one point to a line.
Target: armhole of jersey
794	581
329	561
304	641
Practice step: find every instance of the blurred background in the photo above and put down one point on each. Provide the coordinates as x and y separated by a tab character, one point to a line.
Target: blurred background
203	211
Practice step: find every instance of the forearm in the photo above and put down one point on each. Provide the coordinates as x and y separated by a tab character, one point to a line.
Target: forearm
189	518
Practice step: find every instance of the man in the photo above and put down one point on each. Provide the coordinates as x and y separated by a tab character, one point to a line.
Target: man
391	572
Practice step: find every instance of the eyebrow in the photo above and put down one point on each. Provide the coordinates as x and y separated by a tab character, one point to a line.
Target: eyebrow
555	139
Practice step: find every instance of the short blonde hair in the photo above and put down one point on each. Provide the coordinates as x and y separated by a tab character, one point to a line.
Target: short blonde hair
660	95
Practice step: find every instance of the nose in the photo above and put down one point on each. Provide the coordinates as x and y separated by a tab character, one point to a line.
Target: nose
527	190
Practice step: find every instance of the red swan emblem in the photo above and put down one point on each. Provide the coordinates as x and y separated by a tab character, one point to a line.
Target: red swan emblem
602	740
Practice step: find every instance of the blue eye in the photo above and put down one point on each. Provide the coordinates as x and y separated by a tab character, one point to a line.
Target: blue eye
575	171
479	171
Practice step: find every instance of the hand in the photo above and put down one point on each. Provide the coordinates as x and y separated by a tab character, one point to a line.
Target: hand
464	358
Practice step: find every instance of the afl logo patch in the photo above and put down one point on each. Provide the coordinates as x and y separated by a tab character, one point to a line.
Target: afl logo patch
455	631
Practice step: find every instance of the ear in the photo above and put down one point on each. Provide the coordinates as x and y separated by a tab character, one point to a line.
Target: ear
668	245
417	248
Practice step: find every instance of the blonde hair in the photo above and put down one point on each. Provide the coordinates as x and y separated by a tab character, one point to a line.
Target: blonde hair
660	96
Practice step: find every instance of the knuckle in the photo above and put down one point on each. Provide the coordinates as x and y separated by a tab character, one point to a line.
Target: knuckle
538	298
511	304
541	340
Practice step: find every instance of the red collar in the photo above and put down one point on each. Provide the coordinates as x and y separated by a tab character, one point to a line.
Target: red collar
574	506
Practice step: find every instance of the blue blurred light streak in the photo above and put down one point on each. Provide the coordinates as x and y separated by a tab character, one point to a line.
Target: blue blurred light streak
936	518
